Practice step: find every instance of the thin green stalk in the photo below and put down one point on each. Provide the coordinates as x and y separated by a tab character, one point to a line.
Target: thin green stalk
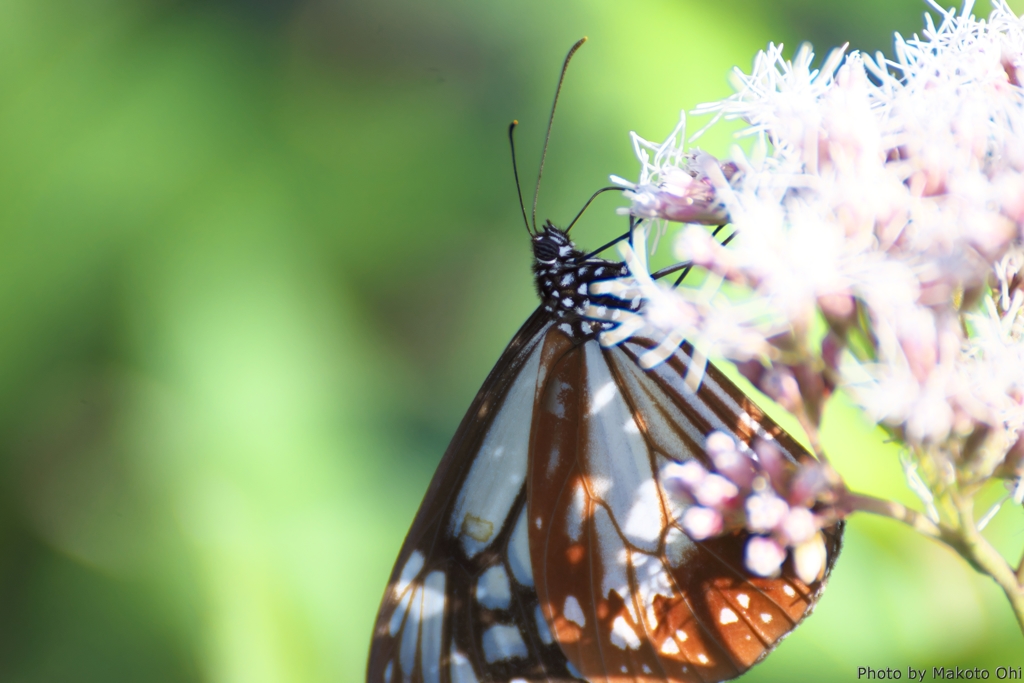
966	540
897	511
976	549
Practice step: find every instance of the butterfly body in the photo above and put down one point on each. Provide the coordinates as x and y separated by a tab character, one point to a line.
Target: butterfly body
546	549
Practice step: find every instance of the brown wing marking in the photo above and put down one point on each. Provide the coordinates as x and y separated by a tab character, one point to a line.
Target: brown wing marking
466	612
629	596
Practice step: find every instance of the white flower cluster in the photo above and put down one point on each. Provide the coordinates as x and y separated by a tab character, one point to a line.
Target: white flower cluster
881	194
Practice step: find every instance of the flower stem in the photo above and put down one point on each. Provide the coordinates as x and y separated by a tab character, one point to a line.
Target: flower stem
965	539
889	508
976	549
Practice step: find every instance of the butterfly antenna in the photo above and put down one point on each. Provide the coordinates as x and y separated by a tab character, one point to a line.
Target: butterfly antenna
515	171
551	120
592	198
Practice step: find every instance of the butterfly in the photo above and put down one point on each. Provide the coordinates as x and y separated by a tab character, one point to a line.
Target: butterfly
546	549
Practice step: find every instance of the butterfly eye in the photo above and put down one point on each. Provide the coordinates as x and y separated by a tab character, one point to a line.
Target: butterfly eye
545	250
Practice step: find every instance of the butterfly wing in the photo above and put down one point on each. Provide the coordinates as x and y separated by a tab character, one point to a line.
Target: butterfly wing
460	605
545	548
629	596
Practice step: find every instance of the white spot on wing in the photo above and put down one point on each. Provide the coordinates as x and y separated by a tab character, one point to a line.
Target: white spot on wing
669	647
574	512
553	396
602	397
492	588
623	635
433	621
652	580
744	600
542	626
681	636
644	519
503	642
412	567
727	616
788	590
614	558
462	668
573	612
765	617
519	552
411	633
599	486
499	469
702	658
396	616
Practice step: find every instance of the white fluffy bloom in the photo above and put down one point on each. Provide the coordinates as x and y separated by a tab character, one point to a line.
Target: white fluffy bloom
892	189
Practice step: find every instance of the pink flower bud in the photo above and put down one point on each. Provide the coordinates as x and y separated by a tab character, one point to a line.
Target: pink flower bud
920	345
809	482
799	526
773	463
716	491
839	308
719	442
690	197
831	350
701	523
1011	65
764	555
730	462
780	385
752	369
765	511
683	479
809	559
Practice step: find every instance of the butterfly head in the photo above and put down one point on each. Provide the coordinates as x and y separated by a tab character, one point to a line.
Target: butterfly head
553	245
563	276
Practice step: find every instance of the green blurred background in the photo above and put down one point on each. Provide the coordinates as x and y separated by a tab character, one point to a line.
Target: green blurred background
257	257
